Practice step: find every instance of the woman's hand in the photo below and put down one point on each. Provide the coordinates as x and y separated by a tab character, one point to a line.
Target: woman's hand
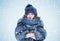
30	35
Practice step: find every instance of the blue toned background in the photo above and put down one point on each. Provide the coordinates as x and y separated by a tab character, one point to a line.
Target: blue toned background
12	10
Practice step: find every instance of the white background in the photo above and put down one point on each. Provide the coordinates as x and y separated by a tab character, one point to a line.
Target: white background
12	10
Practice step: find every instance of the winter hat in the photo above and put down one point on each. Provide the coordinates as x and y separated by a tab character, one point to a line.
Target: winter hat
30	9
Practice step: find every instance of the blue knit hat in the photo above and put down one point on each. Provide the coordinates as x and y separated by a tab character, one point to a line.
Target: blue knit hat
30	9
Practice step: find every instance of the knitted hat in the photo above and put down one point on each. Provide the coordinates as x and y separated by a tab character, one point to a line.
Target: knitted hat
30	9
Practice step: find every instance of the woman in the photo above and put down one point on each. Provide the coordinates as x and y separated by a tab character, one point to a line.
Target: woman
30	27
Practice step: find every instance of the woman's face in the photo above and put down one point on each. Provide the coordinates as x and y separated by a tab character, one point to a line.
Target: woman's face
30	16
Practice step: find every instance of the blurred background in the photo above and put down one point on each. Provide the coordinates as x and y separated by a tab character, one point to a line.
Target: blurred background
12	10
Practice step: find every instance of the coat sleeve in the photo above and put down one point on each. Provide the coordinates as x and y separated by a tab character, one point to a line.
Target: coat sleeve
19	34
40	34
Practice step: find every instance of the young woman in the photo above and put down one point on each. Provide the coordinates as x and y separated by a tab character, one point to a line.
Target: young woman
30	27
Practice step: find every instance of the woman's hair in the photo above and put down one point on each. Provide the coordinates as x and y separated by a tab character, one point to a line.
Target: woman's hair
35	17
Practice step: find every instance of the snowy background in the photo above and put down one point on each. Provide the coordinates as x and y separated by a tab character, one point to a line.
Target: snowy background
12	10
